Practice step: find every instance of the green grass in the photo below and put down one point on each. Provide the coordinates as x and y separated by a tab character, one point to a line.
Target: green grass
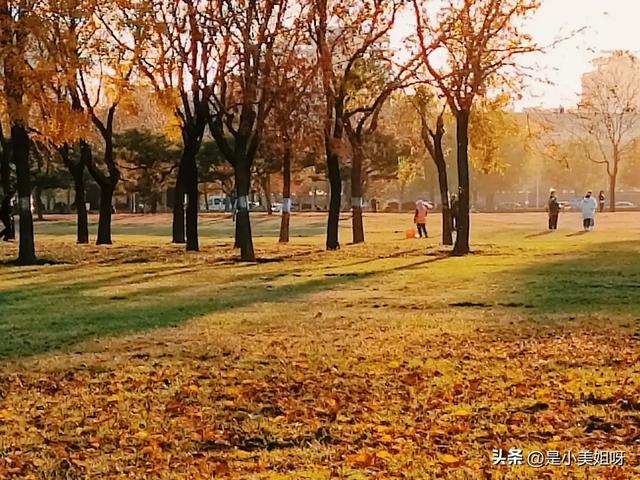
375	361
142	282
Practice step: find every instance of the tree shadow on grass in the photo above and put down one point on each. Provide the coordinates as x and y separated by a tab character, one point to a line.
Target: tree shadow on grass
40	318
539	234
604	279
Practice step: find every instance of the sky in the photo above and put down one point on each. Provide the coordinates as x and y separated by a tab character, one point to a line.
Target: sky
603	25
608	25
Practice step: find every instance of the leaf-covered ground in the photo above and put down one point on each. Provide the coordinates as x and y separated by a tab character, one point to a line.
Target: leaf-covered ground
385	360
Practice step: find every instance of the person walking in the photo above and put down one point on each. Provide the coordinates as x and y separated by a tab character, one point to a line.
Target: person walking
420	218
6	217
553	209
601	199
589	205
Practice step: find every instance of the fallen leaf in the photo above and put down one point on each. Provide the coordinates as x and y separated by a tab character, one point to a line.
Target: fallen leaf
462	412
361	459
450	460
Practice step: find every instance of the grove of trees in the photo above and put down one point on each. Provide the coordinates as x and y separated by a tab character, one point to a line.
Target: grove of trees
158	94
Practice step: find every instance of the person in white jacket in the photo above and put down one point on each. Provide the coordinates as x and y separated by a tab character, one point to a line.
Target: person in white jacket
589	205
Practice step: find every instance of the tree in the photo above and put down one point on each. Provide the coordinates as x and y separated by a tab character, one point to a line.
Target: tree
346	33
291	130
268	161
106	173
432	132
148	160
368	85
174	43
17	23
63	124
74	158
569	168
500	148
481	41
608	112
213	168
256	38
5	163
92	74
46	173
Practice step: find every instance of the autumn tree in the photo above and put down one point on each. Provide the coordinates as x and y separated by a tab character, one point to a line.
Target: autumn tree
291	133
608	114
254	39
63	123
92	80
173	44
500	149
115	85
18	28
370	81
481	42
346	34
432	131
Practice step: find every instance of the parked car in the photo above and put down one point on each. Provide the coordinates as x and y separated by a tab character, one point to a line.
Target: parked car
624	204
217	203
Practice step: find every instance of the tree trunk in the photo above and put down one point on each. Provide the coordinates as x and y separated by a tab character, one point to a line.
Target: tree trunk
236	232
76	169
265	182
178	227
5	168
244	239
443	183
612	187
205	193
104	217
335	183
191	189
491	201
356	192
345	201
286	197
20	143
462	139
39	204
81	207
153	200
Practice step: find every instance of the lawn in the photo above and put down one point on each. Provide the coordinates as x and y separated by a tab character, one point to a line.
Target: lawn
384	360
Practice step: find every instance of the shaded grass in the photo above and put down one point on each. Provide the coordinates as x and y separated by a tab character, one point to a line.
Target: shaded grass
604	279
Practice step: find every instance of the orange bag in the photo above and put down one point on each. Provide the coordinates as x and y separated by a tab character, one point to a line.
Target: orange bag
411	233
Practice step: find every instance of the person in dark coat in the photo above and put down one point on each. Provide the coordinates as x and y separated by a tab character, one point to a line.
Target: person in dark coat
554	210
6	217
